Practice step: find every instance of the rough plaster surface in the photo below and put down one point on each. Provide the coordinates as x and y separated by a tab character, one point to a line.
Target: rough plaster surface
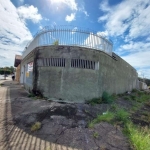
77	84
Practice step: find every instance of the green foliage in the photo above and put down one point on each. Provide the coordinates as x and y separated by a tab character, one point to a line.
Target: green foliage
107	117
113	107
7	70
95	135
139	137
56	42
127	98
143	98
91	124
106	98
114	96
122	115
36	126
94	101
1	84
133	97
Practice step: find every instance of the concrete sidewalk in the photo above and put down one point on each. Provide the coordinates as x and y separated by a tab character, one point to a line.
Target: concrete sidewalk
11	136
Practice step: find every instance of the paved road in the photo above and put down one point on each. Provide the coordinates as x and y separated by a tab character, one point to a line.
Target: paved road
11	136
7	78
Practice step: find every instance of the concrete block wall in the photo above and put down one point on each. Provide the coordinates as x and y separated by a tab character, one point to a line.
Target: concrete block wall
79	84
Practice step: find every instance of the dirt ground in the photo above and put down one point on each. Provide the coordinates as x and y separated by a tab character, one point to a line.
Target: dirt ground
63	126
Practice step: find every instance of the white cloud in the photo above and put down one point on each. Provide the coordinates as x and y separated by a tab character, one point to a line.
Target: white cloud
82	9
129	20
70	3
14	34
29	13
73	30
103	18
40	27
127	16
104	33
138	59
135	46
104	6
70	18
86	13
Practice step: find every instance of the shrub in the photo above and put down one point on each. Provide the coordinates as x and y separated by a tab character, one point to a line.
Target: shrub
106	98
36	126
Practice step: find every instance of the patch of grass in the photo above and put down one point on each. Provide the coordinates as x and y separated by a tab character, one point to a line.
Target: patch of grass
133	97
95	135
107	117
122	115
143	98
36	126
139	137
113	107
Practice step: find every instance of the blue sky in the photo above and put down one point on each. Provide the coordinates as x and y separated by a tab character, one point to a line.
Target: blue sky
125	22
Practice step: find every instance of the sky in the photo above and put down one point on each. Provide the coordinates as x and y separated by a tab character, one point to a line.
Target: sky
125	22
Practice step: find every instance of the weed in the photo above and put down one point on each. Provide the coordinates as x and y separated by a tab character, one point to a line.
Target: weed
134	91
95	135
122	115
136	106
133	97
1	84
143	98
106	98
114	96
91	124
56	42
94	101
139	137
127	98
114	107
107	117
36	126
